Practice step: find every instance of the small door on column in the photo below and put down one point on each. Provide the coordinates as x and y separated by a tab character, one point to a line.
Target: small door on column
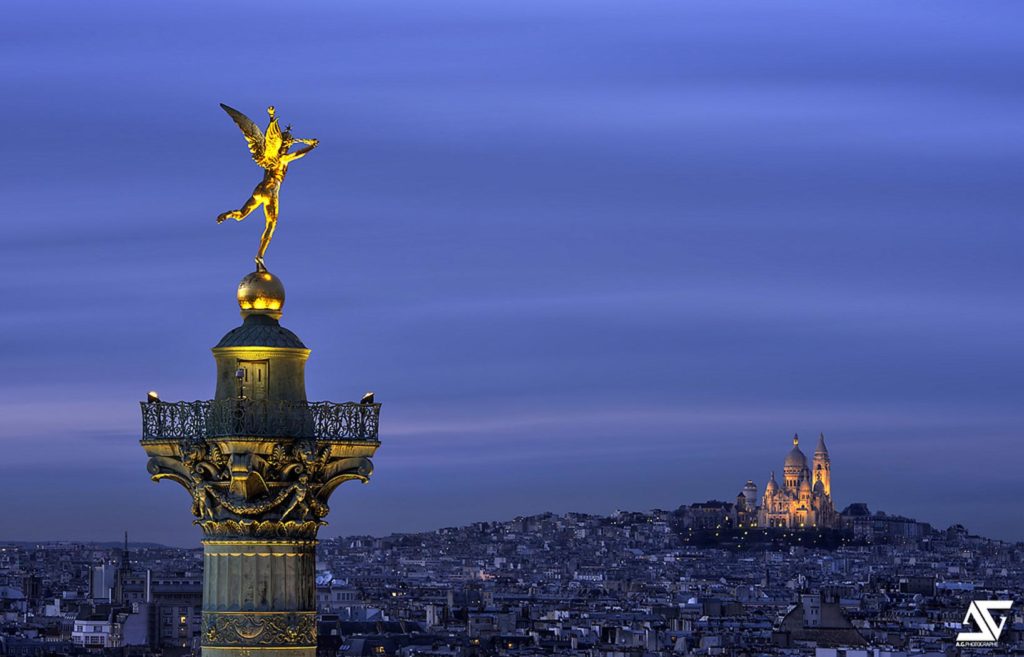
255	374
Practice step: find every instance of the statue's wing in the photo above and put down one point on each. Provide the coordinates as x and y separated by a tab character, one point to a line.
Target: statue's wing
252	133
272	141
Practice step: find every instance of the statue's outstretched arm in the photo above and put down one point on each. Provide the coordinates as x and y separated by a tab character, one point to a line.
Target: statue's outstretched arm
302	151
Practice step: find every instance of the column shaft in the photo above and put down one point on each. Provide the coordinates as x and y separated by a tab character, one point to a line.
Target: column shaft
257	598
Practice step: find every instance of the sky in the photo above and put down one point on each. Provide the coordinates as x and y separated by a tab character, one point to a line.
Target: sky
589	255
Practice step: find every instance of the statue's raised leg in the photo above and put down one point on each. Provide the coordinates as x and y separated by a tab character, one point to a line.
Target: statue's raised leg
242	212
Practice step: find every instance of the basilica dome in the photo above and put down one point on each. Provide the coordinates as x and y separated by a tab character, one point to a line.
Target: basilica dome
796	458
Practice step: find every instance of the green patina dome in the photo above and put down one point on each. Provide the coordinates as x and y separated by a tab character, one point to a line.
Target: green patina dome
261	331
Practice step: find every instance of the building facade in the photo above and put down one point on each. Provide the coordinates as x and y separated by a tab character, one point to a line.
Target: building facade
802	500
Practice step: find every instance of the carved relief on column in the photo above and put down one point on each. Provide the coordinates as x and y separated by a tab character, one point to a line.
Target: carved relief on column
242	629
258	488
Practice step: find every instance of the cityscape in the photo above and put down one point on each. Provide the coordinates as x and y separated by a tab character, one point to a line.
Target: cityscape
674	328
691	581
752	576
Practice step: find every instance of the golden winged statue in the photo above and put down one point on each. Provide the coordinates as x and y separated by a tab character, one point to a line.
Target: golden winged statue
270	151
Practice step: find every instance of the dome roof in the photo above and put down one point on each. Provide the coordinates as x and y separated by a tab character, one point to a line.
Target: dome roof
261	331
796	458
805	486
261	299
771	485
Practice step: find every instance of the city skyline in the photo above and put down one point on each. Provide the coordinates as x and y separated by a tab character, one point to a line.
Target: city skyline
662	580
587	259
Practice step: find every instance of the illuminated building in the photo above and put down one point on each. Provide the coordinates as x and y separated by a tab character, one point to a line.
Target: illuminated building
802	500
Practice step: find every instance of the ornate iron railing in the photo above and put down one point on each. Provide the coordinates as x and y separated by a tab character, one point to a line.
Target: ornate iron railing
199	420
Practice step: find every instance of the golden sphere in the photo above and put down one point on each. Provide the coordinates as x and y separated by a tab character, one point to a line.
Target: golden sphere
261	293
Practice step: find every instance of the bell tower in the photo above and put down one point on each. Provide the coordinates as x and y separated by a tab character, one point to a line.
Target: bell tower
823	466
260	462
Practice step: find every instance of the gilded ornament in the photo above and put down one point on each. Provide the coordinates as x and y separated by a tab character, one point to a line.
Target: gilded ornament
269	149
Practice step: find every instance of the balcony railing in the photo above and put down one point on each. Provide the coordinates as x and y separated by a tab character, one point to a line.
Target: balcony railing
219	418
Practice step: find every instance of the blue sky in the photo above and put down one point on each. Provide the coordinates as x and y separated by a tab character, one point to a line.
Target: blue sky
590	255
